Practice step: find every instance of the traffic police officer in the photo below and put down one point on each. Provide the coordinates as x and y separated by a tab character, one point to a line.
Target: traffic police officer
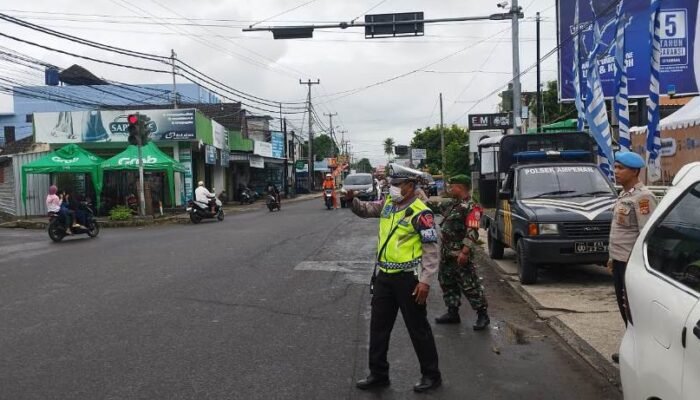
632	210
407	258
457	276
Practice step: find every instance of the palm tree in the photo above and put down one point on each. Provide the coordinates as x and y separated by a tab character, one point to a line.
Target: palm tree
389	148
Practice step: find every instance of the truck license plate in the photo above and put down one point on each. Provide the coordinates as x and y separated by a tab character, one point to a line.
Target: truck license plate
590	247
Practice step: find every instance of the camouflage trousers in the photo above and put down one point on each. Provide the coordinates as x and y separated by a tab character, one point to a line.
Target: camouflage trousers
456	280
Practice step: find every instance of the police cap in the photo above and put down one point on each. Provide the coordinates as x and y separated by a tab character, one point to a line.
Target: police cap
630	159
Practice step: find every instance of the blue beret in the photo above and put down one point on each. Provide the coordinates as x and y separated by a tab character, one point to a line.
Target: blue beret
630	159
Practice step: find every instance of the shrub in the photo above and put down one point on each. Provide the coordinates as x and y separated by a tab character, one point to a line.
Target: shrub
120	213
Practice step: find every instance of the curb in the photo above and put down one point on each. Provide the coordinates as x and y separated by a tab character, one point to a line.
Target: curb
149	221
609	371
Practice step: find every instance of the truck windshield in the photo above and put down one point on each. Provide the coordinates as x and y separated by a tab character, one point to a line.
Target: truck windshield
562	181
358	180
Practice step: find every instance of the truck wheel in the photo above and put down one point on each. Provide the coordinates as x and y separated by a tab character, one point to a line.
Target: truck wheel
495	248
527	271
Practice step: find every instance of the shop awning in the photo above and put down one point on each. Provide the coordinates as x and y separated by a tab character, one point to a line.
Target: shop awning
153	160
686	116
68	159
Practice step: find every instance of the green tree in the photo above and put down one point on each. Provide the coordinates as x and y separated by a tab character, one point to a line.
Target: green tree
456	154
324	147
363	166
389	148
553	111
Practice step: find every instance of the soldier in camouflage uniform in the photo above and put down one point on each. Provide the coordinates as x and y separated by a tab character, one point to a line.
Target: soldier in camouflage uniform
457	274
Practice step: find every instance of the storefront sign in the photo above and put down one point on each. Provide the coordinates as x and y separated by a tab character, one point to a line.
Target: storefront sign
225	158
479	122
262	148
111	126
668	147
419	154
186	162
277	144
257	162
220	136
210	154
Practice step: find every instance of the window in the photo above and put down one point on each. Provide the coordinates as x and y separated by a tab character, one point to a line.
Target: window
562	181
29	118
673	245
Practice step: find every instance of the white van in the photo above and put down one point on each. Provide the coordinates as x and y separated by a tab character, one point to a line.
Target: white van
660	352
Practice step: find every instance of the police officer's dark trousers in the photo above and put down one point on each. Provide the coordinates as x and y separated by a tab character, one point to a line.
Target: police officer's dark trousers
393	292
619	269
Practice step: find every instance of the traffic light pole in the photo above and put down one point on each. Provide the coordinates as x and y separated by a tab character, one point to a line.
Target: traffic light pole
142	198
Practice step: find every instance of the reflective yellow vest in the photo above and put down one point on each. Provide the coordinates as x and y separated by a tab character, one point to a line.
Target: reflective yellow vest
404	249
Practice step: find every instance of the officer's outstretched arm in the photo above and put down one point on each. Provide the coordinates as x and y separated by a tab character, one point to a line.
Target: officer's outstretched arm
366	209
424	223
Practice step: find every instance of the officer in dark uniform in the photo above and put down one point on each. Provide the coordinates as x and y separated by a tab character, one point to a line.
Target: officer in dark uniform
407	258
457	276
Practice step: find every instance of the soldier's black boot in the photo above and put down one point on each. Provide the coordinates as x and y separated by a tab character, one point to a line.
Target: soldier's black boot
482	320
450	317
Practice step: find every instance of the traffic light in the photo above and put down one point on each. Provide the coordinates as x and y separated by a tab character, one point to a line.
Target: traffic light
134	131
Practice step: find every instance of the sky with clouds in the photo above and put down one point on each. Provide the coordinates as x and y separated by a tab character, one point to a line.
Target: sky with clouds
380	87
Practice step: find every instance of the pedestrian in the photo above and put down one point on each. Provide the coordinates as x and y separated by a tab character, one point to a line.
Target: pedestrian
457	275
407	258
632	209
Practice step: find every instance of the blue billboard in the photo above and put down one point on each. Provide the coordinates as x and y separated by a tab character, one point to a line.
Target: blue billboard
277	144
679	31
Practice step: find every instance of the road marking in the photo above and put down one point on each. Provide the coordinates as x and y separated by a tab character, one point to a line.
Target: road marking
354	271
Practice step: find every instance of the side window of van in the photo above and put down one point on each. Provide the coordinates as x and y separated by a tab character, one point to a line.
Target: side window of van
673	246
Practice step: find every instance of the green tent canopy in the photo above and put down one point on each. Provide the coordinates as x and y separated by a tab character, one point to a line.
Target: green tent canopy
153	160
567	125
68	159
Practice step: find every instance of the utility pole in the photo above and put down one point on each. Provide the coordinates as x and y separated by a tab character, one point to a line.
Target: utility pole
330	121
311	132
286	159
172	58
442	141
539	79
517	120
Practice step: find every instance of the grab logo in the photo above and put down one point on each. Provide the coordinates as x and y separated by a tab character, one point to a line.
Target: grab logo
134	161
64	161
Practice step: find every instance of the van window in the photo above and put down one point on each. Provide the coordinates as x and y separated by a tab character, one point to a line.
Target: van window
673	246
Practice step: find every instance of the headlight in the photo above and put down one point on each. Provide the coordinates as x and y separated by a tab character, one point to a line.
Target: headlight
370	190
549	229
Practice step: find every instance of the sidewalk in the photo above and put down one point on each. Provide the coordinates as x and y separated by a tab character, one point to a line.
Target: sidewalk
578	302
179	218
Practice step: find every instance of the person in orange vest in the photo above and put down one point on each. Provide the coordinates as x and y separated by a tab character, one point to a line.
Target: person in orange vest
329	183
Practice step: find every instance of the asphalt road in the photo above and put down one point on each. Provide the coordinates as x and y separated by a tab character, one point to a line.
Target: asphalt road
261	306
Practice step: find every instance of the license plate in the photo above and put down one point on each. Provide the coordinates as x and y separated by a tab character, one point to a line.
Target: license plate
590	247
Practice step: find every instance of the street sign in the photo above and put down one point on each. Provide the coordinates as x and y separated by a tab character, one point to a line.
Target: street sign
390	25
481	122
419	154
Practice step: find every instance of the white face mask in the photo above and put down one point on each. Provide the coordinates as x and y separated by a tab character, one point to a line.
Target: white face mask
395	193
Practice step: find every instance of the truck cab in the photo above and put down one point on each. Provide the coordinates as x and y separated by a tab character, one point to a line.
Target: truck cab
549	200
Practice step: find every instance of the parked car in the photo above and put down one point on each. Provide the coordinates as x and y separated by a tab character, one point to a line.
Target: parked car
357	185
660	352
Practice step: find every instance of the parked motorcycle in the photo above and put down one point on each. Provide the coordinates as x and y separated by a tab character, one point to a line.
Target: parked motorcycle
199	210
57	227
328	198
246	195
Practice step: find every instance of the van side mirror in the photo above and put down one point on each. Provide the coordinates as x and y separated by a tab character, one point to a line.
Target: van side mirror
504	194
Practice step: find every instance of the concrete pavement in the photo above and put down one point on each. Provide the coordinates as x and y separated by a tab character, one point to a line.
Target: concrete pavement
260	306
578	302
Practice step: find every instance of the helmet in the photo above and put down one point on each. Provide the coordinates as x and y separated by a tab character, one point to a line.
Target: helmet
200	183
329	176
399	174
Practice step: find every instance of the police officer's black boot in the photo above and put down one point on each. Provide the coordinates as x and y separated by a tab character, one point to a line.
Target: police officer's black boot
482	320
450	317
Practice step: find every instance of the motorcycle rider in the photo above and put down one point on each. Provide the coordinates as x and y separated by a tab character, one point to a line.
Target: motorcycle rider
272	190
329	184
203	195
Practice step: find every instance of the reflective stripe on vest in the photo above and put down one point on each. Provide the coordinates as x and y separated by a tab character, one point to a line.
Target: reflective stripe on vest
404	248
